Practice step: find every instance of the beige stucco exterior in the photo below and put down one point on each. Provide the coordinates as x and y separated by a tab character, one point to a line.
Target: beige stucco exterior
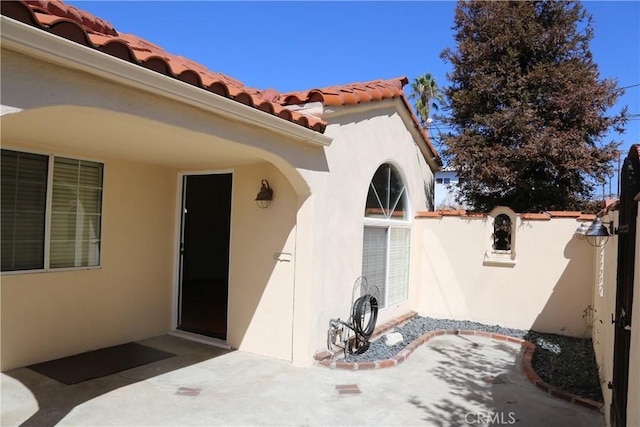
604	304
546	287
262	270
292	266
364	138
604	294
47	315
146	145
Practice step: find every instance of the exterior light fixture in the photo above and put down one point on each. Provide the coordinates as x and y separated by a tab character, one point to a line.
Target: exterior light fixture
265	196
597	234
581	231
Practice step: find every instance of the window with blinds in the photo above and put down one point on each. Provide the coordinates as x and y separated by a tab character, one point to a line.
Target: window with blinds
75	213
75	191
386	242
374	259
398	279
23	209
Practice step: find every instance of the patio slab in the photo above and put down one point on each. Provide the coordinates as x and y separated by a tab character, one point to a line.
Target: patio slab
452	380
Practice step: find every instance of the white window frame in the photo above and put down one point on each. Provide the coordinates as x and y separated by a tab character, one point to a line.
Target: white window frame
48	212
388	224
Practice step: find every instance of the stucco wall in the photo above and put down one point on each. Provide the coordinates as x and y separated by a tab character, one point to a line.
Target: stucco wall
53	314
604	297
132	295
262	263
101	120
547	289
604	303
363	140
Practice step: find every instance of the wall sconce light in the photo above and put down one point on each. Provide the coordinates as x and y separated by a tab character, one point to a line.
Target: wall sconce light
596	234
265	196
581	231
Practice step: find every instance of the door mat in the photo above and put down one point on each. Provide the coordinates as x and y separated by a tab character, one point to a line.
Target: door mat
99	363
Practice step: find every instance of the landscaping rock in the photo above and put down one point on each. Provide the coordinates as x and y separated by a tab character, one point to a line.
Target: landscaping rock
392	339
565	362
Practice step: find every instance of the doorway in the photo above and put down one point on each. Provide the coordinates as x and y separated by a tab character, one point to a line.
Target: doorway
204	254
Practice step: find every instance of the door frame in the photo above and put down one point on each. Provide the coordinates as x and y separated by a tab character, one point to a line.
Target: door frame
176	251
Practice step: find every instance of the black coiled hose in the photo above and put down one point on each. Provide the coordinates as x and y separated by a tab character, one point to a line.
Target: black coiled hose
360	307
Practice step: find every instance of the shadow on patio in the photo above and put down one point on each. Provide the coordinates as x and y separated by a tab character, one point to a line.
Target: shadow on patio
485	386
55	400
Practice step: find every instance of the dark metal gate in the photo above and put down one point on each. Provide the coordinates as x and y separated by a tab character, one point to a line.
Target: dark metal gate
630	187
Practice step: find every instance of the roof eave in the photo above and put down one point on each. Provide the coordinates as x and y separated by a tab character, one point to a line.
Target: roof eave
428	150
51	48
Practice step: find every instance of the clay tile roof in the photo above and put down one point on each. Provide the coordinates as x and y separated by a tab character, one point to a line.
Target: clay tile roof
79	26
351	94
55	8
359	93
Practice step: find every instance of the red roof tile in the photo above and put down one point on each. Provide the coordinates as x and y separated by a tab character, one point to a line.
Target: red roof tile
359	93
82	27
350	94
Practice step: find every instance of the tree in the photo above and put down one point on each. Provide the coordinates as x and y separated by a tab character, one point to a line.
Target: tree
527	106
425	90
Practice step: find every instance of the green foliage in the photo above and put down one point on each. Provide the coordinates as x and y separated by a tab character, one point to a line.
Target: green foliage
424	90
527	105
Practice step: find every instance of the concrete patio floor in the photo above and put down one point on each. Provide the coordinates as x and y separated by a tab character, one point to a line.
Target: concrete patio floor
450	381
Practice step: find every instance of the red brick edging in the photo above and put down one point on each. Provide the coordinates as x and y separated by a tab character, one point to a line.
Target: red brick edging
326	359
527	355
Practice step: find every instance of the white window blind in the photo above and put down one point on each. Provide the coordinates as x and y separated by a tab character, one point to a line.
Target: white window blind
23	206
374	259
76	213
386	246
398	281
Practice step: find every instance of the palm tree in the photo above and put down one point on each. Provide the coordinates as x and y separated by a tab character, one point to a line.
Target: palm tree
425	91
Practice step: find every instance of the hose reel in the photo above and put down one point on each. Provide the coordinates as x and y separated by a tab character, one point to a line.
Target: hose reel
353	335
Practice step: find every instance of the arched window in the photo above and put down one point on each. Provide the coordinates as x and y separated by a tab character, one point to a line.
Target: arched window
387	234
387	196
502	233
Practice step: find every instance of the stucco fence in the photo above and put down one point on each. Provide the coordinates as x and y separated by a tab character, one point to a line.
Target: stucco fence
544	281
548	281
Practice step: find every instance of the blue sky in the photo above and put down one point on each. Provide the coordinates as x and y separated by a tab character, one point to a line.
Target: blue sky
292	46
